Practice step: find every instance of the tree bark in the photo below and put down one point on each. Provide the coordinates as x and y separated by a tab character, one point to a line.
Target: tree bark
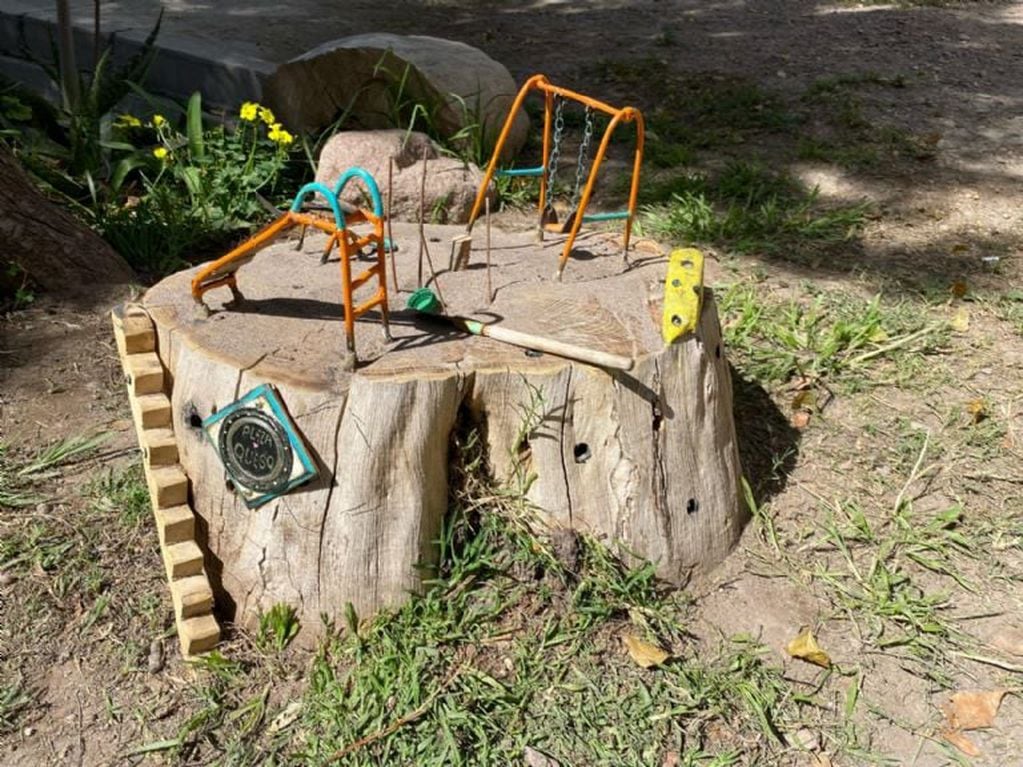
645	458
60	254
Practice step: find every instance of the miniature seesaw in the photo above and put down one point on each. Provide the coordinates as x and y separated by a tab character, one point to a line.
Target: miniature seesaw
553	133
222	272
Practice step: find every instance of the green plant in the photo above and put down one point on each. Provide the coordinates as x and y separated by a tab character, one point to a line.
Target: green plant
749	209
200	185
822	335
17	480
277	627
14	699
15	289
69	147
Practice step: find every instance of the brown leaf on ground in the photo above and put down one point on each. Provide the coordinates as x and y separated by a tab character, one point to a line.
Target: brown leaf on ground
959	288
961	742
644	653
800	420
804	400
805	647
972	709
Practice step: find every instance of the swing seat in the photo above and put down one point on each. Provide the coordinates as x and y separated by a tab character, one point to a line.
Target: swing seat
555	227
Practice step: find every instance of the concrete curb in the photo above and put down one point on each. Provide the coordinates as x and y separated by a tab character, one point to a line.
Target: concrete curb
182	65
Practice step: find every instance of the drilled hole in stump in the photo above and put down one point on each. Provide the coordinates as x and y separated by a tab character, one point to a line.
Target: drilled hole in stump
581	452
192	417
692	506
229	484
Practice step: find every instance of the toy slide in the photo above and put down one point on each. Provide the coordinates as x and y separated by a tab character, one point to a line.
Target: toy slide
222	272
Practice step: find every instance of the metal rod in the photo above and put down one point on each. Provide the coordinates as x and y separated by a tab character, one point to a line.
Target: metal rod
390	234
422	217
490	287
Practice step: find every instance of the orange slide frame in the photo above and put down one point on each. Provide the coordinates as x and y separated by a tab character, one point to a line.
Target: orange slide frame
222	272
618	116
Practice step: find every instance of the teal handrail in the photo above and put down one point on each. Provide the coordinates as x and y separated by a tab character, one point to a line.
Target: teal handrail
323	191
367	179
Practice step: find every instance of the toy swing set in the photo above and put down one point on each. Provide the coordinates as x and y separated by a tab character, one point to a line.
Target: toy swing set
553	134
222	272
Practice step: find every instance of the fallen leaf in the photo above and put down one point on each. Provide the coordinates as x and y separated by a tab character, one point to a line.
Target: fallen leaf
959	288
972	709
960	320
805	647
644	653
800	420
803	400
977	409
960	247
961	742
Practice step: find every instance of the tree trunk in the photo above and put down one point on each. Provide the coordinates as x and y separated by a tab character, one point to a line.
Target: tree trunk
59	253
646	458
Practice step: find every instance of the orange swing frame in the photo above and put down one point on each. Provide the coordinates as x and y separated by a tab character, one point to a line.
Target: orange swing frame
618	116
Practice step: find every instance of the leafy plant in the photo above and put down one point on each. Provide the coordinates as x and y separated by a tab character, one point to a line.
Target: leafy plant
15	289
200	185
748	209
277	627
68	146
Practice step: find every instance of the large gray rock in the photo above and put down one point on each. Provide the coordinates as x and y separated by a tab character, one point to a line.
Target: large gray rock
451	184
376	80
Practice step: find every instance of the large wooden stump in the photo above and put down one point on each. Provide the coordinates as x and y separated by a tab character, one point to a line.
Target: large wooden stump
647	458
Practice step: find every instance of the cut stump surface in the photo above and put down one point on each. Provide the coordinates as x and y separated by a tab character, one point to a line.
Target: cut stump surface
646	458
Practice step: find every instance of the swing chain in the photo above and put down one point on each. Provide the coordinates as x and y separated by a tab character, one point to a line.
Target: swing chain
552	161
584	148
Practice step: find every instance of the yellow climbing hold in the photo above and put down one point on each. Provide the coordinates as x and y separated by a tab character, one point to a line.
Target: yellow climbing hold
683	293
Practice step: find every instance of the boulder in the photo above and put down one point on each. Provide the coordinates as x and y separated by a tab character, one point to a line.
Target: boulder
376	80
451	184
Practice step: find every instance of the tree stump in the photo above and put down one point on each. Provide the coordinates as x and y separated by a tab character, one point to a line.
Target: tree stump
645	458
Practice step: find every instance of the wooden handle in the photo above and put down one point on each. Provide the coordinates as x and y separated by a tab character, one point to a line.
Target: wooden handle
560	348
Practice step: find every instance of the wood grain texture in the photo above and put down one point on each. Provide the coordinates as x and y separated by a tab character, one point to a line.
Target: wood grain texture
191	594
646	458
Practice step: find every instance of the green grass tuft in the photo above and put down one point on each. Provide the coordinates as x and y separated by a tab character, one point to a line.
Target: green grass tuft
748	209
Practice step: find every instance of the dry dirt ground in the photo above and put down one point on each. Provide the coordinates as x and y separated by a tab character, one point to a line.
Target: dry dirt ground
940	429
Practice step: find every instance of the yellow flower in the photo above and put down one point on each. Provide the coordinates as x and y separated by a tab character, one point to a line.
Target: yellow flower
159	121
127	121
266	116
160	153
248	111
280	136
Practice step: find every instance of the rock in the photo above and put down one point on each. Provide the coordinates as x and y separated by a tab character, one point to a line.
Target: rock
451	185
365	76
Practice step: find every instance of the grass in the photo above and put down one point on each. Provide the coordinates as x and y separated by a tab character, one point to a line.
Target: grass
18	480
832	336
512	647
748	209
851	139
